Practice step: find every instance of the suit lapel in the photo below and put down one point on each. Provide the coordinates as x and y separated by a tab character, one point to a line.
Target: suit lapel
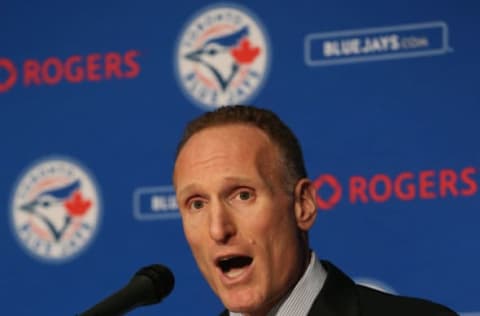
338	296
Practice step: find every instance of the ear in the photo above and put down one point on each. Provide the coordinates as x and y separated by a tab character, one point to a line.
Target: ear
305	204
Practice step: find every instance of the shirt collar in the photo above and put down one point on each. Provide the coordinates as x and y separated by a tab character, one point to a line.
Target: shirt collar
301	298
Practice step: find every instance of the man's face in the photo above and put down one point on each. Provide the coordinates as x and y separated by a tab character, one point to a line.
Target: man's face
239	220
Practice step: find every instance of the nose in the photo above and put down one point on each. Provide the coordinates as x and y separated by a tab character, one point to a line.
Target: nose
222	226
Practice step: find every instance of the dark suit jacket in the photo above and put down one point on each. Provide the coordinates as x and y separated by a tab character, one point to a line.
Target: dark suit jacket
340	296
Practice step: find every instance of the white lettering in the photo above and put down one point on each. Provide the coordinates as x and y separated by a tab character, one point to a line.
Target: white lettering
163	203
331	48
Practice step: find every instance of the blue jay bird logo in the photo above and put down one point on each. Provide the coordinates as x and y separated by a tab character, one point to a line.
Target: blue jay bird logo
55	209
222	57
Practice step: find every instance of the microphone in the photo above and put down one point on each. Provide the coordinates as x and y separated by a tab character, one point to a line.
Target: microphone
148	286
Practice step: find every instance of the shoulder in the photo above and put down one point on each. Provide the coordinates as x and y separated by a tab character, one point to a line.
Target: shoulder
224	313
374	302
339	290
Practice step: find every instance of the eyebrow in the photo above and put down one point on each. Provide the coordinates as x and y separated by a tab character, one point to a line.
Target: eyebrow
187	189
238	179
196	186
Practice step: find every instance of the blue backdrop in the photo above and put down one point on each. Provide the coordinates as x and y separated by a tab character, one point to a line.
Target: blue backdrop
384	97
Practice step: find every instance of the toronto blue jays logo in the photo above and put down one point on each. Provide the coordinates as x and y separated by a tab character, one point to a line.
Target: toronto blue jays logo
222	57
55	209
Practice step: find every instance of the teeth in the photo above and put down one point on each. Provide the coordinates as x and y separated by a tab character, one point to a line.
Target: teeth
233	273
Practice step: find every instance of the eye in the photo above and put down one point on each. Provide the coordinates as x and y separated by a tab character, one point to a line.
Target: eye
212	52
197	204
244	195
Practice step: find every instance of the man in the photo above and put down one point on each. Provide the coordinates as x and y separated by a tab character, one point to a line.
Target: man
247	205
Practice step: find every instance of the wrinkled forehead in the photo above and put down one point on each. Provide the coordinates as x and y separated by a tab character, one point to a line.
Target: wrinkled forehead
228	135
238	141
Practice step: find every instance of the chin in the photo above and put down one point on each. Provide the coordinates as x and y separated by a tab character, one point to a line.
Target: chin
243	309
235	304
242	302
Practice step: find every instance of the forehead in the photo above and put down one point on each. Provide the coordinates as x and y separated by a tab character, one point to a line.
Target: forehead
233	144
229	137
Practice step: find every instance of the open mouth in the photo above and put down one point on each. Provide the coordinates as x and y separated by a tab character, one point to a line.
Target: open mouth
233	266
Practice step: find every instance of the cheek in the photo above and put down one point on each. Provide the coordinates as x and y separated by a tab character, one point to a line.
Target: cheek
192	233
271	230
197	236
198	246
280	232
276	220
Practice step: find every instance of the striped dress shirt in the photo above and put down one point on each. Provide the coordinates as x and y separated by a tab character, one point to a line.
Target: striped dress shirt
301	298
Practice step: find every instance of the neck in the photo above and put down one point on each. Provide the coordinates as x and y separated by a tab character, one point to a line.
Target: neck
304	262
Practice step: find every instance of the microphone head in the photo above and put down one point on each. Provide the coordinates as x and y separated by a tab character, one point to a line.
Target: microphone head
161	278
